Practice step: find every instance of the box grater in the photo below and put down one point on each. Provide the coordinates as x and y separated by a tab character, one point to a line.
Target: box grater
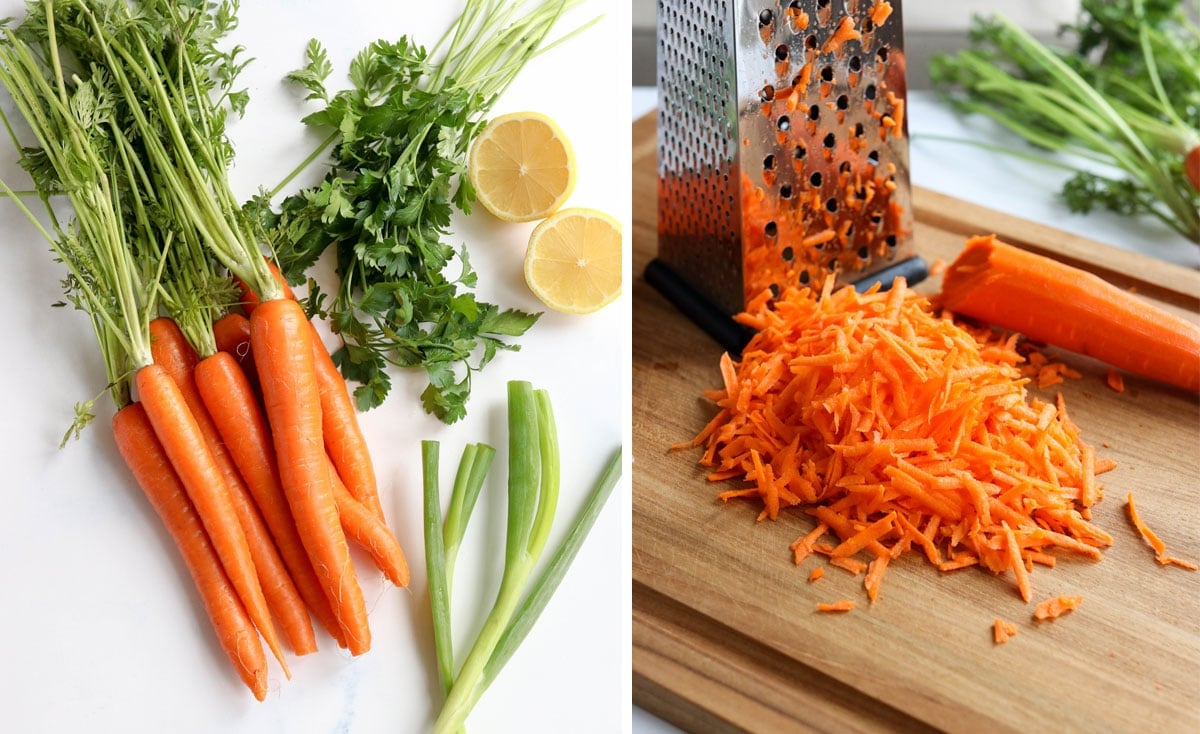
782	149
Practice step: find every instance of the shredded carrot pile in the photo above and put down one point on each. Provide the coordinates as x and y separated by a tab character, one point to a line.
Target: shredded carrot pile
1002	630
1160	548
898	430
1056	607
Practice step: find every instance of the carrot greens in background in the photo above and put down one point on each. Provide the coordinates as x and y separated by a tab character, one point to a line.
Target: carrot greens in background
397	141
1125	99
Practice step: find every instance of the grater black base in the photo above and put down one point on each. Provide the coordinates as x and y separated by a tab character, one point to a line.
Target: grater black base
719	324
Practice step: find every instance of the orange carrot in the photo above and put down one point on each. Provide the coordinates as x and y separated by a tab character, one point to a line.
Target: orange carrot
1160	549
344	440
816	573
151	468
899	430
1002	631
250	299
365	529
1191	166
172	351
1055	303
842	605
226	391
232	334
1056	607
189	453
280	337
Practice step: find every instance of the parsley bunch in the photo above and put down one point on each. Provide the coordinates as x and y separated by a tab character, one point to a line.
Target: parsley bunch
399	139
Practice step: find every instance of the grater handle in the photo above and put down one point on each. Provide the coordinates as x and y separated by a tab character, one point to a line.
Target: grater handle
716	322
913	270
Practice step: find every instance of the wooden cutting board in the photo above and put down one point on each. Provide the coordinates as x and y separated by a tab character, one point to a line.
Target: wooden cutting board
725	632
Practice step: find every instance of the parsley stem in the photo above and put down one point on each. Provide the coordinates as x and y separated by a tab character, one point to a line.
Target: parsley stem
312	157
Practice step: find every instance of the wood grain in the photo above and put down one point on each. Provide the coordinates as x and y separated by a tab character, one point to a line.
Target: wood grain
725	632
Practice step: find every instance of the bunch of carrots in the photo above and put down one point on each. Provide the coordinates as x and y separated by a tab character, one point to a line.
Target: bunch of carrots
233	420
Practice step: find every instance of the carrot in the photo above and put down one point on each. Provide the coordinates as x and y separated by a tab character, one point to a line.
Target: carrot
816	573
250	299
842	605
280	336
171	350
232	335
1160	548
1002	631
343	438
1191	166
344	441
226	391
189	453
899	430
1055	303
152	469
1056	607
1114	380
365	529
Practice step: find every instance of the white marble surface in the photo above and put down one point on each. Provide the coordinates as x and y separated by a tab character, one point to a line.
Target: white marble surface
103	631
1002	182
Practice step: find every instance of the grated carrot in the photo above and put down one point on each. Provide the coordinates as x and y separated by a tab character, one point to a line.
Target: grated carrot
816	573
1115	381
1056	607
1002	631
842	605
898	429
1160	548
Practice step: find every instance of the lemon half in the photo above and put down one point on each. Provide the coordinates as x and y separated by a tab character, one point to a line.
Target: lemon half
522	167
573	263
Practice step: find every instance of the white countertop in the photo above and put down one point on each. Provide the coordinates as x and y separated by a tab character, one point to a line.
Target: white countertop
991	179
104	631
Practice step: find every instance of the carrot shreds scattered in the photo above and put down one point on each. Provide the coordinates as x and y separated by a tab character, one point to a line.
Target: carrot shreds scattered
842	605
1115	381
816	573
898	429
1056	607
1002	630
1160	548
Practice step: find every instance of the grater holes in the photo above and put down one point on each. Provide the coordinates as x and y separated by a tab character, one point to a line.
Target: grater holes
831	205
815	179
811	42
814	112
788	254
830	140
785	191
799	152
784	123
842	103
766	17
827	73
882	54
873	158
869	92
855	64
769	163
804	278
767	93
771	229
781	52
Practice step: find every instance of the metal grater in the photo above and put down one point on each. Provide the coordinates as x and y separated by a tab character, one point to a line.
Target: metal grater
782	146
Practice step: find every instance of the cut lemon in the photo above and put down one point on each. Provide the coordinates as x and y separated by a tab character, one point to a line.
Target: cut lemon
522	167
573	263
